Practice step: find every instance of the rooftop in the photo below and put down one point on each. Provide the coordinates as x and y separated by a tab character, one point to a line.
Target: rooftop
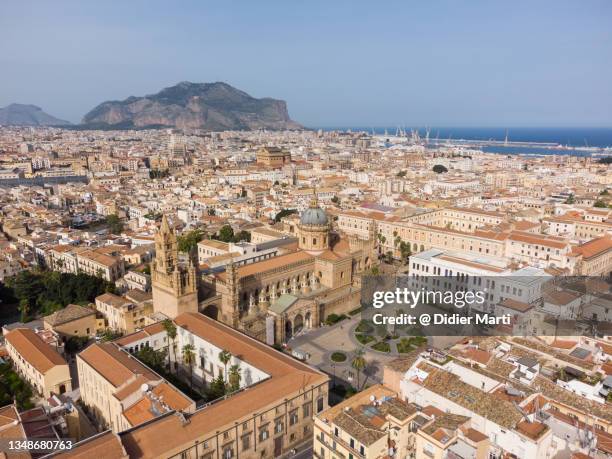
34	350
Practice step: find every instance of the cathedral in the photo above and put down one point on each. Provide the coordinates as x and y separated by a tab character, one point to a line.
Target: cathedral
174	283
275	298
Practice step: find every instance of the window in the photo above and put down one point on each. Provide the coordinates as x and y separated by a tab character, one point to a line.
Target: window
228	453
293	418
246	442
320	405
306	410
278	428
263	435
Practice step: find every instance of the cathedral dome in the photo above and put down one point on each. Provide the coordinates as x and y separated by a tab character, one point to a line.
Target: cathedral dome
314	216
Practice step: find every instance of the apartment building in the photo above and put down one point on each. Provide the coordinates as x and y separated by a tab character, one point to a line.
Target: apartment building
371	424
105	262
449	436
37	362
122	313
485	401
120	392
594	258
537	249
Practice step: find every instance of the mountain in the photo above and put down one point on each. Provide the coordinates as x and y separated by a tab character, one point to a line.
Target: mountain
28	115
209	106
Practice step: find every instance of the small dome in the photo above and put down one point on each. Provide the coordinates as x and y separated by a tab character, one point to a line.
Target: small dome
313	216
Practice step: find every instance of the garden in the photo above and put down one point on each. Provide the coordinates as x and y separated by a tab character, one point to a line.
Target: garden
399	339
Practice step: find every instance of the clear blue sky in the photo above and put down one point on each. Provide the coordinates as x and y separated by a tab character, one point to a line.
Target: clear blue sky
336	63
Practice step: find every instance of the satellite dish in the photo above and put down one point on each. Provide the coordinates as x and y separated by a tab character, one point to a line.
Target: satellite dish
144	388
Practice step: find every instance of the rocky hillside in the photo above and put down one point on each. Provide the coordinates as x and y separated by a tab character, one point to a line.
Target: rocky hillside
209	106
27	115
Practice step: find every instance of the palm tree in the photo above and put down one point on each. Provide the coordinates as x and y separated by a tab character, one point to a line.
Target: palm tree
225	357
359	363
234	377
189	359
170	329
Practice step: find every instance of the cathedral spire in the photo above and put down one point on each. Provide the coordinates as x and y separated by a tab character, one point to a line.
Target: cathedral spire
314	203
165	226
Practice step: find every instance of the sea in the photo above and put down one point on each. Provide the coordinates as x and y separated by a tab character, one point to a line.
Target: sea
534	141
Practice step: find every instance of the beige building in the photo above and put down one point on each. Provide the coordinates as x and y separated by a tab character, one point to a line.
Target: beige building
267	417
121	392
105	262
37	362
273	157
370	425
123	314
73	320
594	257
448	435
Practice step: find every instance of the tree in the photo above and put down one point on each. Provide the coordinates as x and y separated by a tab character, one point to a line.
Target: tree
405	250
13	389
439	169
43	292
109	335
170	329
599	203
359	363
401	174
234	378
152	215
226	233
225	357
243	193
189	360
335	199
211	211
154	359
115	225
284	213
157	173
75	344
189	241
217	388
242	236
570	199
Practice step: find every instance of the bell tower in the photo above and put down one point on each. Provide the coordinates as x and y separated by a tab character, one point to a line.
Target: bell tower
174	284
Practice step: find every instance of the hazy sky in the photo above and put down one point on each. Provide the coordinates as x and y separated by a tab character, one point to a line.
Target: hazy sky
336	63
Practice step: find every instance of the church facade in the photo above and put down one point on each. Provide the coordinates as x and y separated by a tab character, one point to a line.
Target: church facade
273	299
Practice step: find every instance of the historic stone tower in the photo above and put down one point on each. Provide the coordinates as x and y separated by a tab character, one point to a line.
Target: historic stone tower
175	288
